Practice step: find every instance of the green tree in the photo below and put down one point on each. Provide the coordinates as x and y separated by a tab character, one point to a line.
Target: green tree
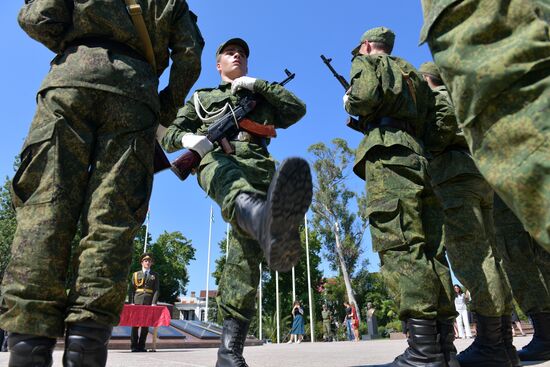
8	224
340	228
172	253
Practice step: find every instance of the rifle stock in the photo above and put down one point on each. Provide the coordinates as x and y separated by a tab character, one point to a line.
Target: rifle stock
185	164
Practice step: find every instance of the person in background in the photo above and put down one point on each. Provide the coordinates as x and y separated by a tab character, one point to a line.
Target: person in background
297	332
348	321
462	322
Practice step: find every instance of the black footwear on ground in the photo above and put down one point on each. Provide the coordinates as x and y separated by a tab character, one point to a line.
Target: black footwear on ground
539	347
508	340
488	348
447	337
86	345
230	353
30	350
274	221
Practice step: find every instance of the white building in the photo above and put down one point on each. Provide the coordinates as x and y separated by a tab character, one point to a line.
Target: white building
194	308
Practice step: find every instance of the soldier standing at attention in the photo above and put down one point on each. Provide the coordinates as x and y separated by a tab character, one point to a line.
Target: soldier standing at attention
469	232
144	290
393	105
88	156
264	207
527	267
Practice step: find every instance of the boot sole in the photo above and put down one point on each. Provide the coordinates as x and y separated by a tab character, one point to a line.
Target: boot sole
290	200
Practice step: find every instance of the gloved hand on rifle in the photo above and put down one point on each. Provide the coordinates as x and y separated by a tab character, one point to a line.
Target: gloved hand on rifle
197	143
244	82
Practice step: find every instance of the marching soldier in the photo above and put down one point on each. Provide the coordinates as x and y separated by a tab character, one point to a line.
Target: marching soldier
264	207
144	290
394	105
88	158
467	200
327	323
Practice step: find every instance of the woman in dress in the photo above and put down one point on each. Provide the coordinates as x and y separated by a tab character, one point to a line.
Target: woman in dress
297	332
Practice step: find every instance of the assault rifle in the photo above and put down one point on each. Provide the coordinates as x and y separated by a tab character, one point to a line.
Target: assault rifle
351	122
225	128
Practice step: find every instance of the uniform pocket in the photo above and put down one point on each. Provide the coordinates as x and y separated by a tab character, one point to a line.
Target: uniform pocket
35	179
385	218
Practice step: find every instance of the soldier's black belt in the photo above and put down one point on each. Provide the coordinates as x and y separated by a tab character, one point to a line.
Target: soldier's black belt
393	123
113	46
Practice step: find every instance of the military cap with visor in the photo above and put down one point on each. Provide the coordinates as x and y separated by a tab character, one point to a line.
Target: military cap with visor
146	255
234	41
379	34
430	68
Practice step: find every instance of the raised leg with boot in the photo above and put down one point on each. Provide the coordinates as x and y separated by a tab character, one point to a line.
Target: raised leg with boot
539	347
30	350
424	346
275	220
86	345
488	348
230	353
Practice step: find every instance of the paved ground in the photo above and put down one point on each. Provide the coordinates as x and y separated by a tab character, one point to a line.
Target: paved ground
344	354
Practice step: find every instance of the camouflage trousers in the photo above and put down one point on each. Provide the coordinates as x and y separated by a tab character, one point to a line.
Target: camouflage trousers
223	177
470	238
405	226
526	264
494	56
88	156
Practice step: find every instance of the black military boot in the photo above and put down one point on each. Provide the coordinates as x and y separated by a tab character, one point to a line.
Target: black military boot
30	350
508	340
488	348
274	222
230	353
86	345
447	337
539	347
424	346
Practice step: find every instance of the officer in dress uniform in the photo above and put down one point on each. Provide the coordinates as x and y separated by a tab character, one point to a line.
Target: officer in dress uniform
144	290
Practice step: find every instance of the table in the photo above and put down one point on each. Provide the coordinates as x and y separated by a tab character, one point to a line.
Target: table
145	316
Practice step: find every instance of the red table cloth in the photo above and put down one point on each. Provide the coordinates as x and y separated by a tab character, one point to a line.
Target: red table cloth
141	315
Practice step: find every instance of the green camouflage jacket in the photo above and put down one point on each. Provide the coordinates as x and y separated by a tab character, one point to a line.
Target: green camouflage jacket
379	89
446	143
172	29
277	106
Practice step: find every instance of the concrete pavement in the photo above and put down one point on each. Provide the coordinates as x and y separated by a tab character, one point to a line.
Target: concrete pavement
337	354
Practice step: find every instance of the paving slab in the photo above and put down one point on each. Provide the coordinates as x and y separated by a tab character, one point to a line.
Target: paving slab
337	354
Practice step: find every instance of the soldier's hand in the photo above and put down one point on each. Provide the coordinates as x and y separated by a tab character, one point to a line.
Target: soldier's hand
244	82
197	143
345	99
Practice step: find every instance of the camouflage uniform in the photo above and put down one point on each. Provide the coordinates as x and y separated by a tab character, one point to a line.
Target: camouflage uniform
467	201
494	57
89	156
224	176
525	263
401	205
327	320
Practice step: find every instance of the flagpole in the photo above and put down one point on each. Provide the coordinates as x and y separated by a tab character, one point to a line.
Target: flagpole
146	233
311	323
293	286
227	243
277	305
260	304
208	263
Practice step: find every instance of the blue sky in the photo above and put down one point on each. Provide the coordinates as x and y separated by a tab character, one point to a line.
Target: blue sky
281	34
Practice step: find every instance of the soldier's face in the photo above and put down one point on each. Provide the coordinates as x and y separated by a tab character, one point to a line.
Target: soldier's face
146	263
232	62
365	48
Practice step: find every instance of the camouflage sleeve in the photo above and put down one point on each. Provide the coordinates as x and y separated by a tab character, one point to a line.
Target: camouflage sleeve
290	109
364	96
186	121
46	21
442	131
186	46
131	290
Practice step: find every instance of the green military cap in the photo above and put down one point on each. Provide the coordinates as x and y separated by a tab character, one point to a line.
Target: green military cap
430	68
378	34
146	255
234	41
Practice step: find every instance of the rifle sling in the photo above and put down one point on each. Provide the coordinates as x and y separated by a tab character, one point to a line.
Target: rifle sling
136	15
